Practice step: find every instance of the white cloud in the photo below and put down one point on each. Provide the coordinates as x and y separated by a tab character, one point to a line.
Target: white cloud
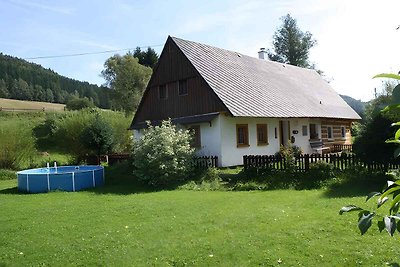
38	5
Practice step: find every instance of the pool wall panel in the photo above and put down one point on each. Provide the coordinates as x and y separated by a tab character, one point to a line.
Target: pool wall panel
38	183
98	175
61	182
83	180
22	185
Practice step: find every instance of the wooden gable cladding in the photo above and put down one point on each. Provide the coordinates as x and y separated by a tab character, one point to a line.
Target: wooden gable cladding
173	67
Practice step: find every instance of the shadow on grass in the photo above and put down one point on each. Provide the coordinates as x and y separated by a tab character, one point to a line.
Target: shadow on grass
121	181
356	184
11	191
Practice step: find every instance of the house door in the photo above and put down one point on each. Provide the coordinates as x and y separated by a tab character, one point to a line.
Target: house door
284	132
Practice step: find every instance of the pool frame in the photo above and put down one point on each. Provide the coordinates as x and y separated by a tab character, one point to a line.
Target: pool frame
64	178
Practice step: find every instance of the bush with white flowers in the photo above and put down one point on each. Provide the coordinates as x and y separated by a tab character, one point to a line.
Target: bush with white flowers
163	155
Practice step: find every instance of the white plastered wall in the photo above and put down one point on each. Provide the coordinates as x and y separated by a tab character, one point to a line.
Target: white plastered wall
231	154
210	136
303	141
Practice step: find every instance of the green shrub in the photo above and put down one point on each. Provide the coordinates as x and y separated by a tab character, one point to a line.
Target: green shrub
68	130
98	137
79	103
163	155
370	144
7	174
17	144
120	124
44	131
207	180
322	170
249	186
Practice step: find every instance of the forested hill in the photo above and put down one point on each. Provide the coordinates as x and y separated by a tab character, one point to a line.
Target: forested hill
23	80
355	104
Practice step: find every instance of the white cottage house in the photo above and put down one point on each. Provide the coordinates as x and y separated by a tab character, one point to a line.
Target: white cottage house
239	105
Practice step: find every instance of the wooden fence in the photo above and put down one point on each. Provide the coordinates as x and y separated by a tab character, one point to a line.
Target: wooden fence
205	162
303	162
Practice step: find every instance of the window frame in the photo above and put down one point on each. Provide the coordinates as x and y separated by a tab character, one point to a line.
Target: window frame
245	135
179	87
262	128
343	132
327	132
166	91
304	130
316	137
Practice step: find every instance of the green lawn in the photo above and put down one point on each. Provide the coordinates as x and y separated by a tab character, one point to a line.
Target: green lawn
119	225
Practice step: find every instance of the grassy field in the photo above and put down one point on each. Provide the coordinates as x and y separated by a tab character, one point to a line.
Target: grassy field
22	105
123	224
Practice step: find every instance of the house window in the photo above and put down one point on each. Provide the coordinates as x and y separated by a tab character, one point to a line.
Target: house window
304	130
162	91
330	132
262	134
276	133
182	87
196	138
242	135
313	131
343	131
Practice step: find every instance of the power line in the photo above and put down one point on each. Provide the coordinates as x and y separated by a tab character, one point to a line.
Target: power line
91	53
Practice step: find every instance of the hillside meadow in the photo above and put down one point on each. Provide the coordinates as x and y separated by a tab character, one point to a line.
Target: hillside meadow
12	104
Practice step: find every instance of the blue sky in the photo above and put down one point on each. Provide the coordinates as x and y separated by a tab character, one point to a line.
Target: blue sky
356	39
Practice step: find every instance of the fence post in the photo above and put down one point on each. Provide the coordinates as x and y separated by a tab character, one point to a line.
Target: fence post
306	162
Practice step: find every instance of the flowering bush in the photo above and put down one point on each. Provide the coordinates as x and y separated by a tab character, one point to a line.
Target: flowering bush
163	155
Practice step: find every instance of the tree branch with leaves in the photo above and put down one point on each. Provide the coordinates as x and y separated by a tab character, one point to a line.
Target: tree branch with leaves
389	220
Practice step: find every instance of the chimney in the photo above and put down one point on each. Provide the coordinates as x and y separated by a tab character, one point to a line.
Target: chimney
261	53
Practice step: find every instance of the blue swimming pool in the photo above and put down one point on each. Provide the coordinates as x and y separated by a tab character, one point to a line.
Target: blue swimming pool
65	178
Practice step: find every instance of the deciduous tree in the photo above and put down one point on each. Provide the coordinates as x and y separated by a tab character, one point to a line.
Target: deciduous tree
128	79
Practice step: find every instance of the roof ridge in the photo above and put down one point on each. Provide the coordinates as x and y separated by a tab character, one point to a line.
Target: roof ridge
268	61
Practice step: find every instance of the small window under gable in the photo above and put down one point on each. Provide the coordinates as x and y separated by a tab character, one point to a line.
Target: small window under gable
262	134
182	87
242	135
162	91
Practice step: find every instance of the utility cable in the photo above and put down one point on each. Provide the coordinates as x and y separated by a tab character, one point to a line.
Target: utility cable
90	53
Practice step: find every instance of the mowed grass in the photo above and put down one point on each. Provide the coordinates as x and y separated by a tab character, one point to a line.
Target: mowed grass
20	105
119	226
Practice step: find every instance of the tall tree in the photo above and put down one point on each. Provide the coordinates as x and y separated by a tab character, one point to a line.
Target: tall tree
291	45
147	58
3	89
128	79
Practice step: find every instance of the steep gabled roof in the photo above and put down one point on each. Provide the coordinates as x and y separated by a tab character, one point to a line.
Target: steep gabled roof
251	87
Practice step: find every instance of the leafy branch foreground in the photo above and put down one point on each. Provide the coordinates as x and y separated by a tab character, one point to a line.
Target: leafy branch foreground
390	221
